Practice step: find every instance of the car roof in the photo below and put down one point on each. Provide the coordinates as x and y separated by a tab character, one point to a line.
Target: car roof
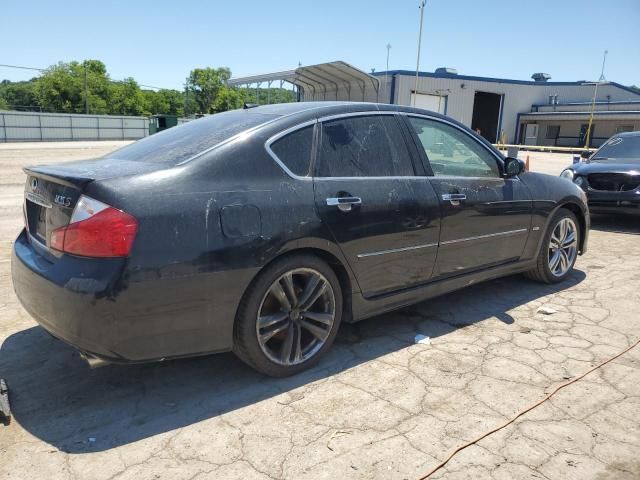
628	134
329	108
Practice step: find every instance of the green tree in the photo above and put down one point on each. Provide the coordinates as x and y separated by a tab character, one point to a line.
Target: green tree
3	104
126	98
228	98
18	95
62	87
164	101
205	84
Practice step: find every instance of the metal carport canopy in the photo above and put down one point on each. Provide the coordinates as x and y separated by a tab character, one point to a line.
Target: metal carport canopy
326	81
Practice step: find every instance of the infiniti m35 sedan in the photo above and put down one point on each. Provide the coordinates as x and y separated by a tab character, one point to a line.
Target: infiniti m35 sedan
259	230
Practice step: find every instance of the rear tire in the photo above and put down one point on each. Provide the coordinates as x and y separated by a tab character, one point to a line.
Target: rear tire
289	316
559	249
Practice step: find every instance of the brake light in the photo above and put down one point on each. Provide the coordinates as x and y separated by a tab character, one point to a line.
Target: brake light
96	230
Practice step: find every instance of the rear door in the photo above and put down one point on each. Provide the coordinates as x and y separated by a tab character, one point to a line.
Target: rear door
382	212
485	217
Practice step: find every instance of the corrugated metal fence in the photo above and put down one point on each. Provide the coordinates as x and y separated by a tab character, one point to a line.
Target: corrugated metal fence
51	127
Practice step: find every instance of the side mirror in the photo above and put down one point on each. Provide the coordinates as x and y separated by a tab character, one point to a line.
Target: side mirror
585	154
513	167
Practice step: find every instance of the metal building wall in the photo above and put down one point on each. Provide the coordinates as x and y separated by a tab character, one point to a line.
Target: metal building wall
48	127
518	98
607	107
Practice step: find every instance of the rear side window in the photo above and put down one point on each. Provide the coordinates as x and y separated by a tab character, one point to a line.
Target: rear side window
177	144
367	146
294	150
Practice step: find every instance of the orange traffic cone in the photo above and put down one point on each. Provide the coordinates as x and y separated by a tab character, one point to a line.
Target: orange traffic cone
526	164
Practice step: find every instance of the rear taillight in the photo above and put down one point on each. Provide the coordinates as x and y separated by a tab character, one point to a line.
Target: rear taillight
96	230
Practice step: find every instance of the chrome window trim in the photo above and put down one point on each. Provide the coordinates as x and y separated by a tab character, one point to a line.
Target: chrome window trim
489	235
396	250
284	133
363	113
272	139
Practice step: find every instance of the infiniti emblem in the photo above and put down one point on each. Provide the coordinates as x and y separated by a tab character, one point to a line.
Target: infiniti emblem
34	183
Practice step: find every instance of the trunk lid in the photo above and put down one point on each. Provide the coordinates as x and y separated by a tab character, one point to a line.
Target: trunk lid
52	191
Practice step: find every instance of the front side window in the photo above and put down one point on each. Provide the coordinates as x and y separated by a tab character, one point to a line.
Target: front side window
451	152
367	146
294	150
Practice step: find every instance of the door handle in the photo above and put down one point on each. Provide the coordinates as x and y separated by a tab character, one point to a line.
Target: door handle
454	198
344	204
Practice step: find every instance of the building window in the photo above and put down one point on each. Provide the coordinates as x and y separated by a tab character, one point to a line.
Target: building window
553	131
624	128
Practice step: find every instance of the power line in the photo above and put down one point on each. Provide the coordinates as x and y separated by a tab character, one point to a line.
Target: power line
21	67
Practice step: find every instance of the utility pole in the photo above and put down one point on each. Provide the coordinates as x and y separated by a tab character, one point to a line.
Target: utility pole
86	94
186	99
602	79
415	90
386	72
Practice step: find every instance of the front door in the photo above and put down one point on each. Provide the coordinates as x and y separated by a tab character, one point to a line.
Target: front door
485	217
384	217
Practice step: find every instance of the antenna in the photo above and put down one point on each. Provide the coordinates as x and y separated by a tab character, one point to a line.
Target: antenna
604	59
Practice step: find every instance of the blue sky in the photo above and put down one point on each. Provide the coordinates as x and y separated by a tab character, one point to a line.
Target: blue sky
158	42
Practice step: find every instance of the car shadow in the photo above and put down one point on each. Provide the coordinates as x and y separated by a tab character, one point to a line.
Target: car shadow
616	223
59	400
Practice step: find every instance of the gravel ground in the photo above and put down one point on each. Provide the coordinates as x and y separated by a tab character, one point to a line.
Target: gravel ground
379	406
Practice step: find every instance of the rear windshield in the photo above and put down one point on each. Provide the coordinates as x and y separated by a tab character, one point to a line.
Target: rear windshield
620	147
177	144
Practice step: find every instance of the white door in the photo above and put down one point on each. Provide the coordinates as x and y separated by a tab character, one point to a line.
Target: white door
435	103
531	134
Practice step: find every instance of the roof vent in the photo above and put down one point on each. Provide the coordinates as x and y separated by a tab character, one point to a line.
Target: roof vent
446	71
541	77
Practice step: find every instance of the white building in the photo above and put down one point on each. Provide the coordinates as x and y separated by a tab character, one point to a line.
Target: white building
537	112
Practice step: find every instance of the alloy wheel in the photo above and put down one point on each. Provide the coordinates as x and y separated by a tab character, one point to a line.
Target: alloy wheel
296	316
563	247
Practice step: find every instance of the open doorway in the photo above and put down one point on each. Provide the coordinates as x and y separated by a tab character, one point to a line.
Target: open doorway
486	114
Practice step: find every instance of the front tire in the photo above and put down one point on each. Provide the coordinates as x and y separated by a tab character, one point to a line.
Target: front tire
559	249
289	316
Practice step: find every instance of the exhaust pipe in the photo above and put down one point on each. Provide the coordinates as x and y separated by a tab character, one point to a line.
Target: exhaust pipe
93	362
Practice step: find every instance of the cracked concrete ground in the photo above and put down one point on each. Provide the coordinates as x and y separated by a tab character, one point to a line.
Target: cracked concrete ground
379	406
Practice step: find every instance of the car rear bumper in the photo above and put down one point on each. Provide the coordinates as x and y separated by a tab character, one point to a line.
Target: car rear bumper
69	298
104	310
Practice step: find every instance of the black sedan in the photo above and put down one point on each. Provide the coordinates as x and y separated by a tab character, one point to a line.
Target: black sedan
611	175
259	230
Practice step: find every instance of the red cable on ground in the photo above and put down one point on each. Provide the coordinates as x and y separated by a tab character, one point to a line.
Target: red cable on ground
522	412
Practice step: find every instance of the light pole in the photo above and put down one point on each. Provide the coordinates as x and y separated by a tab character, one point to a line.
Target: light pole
86	93
602	79
415	90
386	72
